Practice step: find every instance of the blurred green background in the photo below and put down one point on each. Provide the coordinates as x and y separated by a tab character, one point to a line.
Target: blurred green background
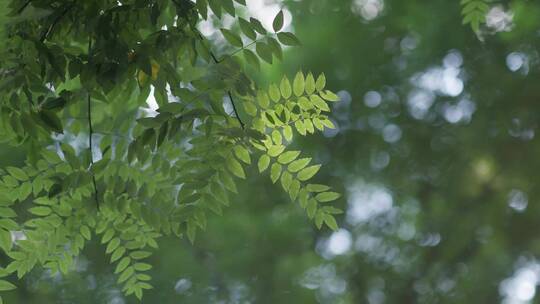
435	153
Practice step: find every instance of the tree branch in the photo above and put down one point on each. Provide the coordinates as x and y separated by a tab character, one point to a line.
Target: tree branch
91	132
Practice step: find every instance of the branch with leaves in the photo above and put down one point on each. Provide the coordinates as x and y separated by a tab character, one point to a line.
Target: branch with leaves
149	175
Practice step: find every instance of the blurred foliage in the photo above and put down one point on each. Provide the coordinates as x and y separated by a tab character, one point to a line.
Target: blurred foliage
435	152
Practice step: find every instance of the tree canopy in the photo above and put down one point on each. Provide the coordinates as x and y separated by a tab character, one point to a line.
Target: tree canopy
75	79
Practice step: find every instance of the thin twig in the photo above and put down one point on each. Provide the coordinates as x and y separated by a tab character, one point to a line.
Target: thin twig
216	61
23	7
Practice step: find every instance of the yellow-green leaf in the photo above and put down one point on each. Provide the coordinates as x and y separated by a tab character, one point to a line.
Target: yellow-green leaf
263	162
310	83
327	196
274	93
321	82
298	84
235	167
299	164
319	103
285	87
275	150
243	154
288	157
5	285
275	172
308	172
330	222
124	262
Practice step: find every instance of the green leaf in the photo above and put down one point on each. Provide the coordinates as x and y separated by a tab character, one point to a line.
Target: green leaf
275	172
41	211
330	222
142	266
53	104
85	231
123	264
311	208
277	24
274	92
247	28
262	99
51	121
319	219
277	138
275	47
308	172
275	150
250	108
113	244
327	196
8	224
17	173
288	157
287	132
191	231
257	26
285	88
310	84
317	188
243	154
126	274
286	179
251	59
235	167
321	82
232	38
118	253
300	127
107	236
328	95
298	165
137	255
264	51
319	103
289	39
298	84
263	162
5	240
294	188
5	286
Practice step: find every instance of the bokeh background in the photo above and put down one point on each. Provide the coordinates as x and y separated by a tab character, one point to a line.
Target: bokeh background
436	154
